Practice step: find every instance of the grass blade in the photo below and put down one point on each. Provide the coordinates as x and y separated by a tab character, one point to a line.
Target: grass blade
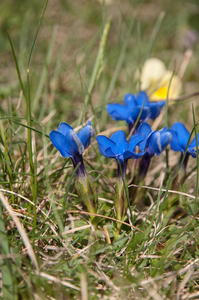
98	66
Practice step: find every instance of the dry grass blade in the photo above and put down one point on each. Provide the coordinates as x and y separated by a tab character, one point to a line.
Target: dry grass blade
22	232
163	190
62	241
184	282
26	199
152	292
84	287
190	296
107	279
101	216
54	279
76	229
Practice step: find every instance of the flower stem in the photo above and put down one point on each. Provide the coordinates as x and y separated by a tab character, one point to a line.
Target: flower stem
182	173
84	185
121	203
143	167
77	158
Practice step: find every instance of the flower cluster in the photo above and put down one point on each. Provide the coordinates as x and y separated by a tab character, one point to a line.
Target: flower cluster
143	144
136	107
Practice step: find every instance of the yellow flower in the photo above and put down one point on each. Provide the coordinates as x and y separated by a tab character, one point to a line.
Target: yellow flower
155	80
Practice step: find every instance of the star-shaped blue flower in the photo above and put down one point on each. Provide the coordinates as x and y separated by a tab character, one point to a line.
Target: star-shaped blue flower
132	107
68	142
118	147
155	141
71	144
180	138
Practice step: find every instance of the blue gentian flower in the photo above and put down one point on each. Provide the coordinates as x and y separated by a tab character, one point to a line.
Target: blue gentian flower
119	148
71	144
155	141
132	107
153	145
180	138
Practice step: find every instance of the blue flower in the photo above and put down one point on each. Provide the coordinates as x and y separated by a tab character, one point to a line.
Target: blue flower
155	141
68	142
71	144
180	138
154	144
132	107
117	146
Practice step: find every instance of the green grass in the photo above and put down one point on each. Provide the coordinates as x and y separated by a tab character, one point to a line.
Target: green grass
82	56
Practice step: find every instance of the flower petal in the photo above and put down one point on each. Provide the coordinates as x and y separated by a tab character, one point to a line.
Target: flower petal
192	147
155	108
135	140
145	115
193	143
105	144
130	101
59	141
117	111
165	139
131	154
120	140
85	135
154	143
73	143
157	142
182	132
152	70
175	144
142	98
144	129
63	128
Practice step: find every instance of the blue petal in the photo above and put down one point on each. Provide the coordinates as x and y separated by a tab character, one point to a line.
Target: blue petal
130	154
142	98
160	103
120	140
144	115
175	144
110	153
193	143
59	142
105	144
155	108
192	152
135	140
85	135
154	143
145	129
63	128
164	129
117	111
73	143
192	147
182	132
130	101
165	139
157	142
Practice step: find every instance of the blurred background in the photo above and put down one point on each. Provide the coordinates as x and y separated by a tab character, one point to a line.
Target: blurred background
67	47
